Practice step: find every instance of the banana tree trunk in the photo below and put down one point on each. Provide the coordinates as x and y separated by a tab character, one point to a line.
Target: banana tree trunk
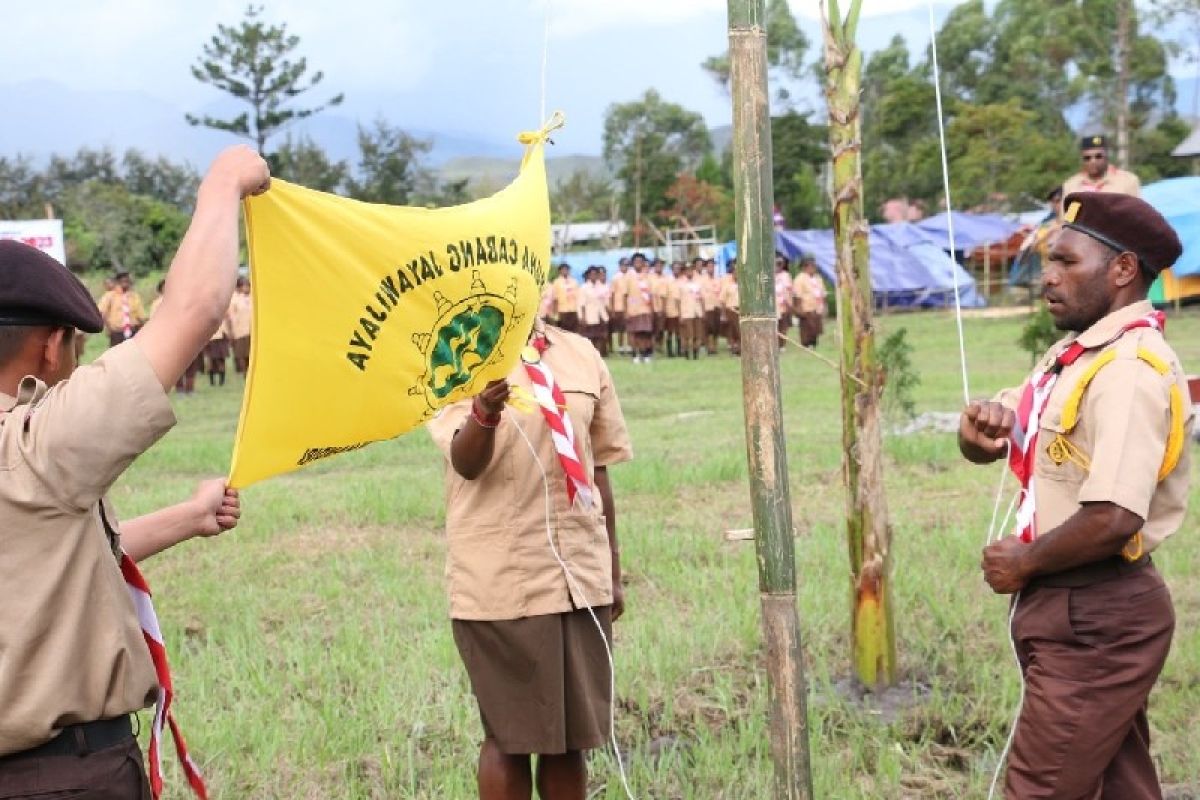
873	642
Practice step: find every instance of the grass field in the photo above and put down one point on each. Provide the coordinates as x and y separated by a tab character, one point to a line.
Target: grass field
312	651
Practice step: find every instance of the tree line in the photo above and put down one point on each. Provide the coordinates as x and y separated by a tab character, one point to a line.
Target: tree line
1015	74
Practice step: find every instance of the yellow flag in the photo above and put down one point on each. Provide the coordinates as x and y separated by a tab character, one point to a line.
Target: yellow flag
369	318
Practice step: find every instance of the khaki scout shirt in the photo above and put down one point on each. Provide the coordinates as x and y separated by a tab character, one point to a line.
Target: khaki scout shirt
639	288
691	300
499	564
710	288
730	297
620	289
1115	180
593	304
112	308
810	291
240	311
671	297
566	295
1124	421
71	648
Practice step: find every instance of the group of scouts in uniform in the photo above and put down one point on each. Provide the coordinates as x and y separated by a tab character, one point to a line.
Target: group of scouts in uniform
123	316
1099	435
649	307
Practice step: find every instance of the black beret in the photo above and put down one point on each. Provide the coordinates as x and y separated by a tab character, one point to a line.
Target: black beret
1088	142
37	290
1124	223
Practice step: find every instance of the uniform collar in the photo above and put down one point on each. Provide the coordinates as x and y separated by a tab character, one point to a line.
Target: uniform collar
1109	327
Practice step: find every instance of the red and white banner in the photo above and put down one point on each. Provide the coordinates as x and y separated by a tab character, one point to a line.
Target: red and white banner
44	234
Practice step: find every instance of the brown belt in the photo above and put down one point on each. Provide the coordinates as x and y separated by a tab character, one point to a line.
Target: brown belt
1088	574
81	739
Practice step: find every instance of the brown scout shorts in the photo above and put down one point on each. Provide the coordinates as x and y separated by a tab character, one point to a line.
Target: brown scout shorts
543	683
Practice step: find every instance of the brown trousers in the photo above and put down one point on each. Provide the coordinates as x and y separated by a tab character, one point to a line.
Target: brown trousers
1090	656
114	773
691	333
569	321
811	326
733	331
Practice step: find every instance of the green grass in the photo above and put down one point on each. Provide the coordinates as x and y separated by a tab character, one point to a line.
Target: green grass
312	650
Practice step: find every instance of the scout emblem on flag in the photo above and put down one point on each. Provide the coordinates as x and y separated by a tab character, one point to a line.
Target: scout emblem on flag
369	318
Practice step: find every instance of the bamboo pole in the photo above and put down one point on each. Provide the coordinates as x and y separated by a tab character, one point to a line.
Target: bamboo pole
873	641
761	396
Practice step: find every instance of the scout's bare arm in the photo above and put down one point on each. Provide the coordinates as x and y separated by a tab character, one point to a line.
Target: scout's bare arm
600	476
983	432
204	271
213	509
1095	532
473	445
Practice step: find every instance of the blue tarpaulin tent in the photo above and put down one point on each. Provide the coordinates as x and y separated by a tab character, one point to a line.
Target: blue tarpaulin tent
1178	199
970	230
907	268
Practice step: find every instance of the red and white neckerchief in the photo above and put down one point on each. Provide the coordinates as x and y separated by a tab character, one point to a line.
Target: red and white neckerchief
126	316
554	409
139	590
643	285
1023	440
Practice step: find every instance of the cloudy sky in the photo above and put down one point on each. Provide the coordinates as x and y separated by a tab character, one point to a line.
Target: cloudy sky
464	67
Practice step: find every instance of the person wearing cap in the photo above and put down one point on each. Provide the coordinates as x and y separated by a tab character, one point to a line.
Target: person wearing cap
691	313
710	292
1097	437
731	305
121	308
537	659
1097	174
73	661
783	296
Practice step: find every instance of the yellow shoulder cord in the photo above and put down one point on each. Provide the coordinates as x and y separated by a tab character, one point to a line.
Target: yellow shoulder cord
1062	449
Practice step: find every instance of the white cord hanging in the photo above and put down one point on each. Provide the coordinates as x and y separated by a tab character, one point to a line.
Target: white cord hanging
937	91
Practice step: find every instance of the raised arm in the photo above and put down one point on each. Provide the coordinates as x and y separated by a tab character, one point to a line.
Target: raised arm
204	271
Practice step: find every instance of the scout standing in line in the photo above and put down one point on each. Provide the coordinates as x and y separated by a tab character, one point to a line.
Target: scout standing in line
241	310
122	310
658	294
731	303
783	297
1099	439
536	660
566	299
639	310
671	300
187	381
73	661
810	302
691	314
617	300
593	309
710	291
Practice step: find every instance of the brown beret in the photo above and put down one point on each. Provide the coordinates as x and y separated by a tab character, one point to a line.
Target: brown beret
37	290
1126	224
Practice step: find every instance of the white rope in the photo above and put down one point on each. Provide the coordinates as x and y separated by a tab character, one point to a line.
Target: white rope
937	91
612	667
994	531
545	61
1012	732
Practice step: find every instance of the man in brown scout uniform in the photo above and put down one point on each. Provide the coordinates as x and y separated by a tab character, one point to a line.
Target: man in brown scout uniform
1099	438
1097	174
73	662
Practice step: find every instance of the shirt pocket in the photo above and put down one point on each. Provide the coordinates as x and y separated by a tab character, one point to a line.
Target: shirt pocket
483	574
1061	455
583	539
